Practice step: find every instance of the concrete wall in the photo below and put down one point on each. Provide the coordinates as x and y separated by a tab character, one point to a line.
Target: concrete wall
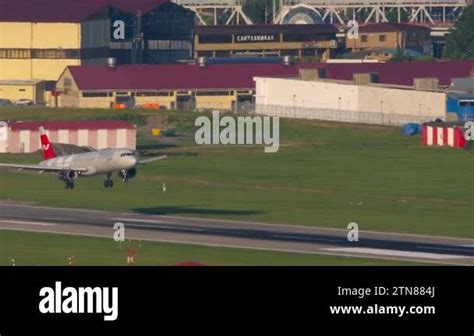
347	98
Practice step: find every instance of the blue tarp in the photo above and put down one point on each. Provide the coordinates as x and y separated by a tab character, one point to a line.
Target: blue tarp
411	129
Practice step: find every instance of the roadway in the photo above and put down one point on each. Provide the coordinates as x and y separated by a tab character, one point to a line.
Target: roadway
240	234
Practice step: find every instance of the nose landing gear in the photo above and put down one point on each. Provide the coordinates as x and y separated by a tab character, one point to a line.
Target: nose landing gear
124	175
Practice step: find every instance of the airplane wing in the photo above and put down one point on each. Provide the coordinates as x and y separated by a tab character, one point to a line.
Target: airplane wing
152	159
41	168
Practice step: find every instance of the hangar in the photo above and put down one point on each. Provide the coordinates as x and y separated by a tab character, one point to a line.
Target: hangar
315	41
221	86
172	86
23	136
38	39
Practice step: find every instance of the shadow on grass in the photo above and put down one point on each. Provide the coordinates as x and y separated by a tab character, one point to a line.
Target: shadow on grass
189	210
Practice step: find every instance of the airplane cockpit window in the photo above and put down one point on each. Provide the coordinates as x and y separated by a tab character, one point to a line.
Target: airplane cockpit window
126	154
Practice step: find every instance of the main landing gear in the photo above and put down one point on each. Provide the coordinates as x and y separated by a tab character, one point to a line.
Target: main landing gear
69	185
109	183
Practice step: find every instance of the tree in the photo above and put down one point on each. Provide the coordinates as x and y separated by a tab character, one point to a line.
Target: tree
259	11
460	41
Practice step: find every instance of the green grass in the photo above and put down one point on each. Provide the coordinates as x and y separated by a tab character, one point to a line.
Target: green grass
53	250
324	175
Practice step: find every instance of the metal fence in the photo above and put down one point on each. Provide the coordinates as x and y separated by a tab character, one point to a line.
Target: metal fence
362	117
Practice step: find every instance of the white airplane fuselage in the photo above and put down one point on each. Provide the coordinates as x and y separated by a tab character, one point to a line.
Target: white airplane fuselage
98	162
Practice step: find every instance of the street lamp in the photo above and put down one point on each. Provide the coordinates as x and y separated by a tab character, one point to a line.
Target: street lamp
294	106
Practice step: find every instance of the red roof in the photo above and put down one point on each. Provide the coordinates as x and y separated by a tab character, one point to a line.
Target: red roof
240	76
403	73
174	76
67	10
70	125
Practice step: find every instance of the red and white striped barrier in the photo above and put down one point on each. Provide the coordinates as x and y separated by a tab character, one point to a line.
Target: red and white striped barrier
452	136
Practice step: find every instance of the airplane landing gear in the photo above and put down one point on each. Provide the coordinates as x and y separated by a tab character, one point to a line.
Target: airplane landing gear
124	176
69	185
109	183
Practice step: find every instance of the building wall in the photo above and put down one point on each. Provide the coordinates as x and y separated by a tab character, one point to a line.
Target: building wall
18	40
14	92
28	141
419	40
392	40
346	97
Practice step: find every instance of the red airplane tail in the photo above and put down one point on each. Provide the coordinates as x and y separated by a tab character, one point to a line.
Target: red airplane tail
48	152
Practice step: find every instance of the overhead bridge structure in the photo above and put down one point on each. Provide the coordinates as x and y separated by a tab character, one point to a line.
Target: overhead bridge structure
213	12
428	12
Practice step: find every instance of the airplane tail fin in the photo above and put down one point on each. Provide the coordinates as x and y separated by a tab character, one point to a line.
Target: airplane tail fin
48	152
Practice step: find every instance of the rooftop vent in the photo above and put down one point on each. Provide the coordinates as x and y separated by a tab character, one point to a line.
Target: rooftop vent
426	84
312	74
202	61
288	60
111	62
365	78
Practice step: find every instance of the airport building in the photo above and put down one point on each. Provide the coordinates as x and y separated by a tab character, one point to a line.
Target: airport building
362	100
315	41
172	86
390	36
14	90
39	39
223	86
23	136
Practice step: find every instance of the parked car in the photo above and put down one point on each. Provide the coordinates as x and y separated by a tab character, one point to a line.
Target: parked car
24	102
5	102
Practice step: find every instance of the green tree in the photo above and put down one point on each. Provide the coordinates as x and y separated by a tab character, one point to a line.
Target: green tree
460	41
259	11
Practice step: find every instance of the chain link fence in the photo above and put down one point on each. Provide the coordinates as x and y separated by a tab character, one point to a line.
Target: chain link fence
376	118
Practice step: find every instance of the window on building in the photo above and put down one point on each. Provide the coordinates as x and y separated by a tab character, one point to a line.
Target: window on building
15	53
215	39
466	103
95	94
364	38
153	94
382	38
212	93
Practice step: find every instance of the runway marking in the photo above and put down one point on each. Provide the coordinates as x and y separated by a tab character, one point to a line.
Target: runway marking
140	220
26	222
395	253
323	240
444	248
162	227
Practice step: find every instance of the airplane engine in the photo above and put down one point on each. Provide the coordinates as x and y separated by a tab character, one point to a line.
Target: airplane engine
68	175
129	174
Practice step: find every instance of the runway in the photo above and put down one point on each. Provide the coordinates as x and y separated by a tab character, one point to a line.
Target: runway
239	234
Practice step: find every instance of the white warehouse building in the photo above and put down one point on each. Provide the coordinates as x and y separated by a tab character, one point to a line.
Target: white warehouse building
345	101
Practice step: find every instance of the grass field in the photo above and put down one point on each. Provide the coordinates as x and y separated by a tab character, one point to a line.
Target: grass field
53	250
324	175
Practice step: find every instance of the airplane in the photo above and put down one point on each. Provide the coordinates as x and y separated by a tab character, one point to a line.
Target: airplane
96	162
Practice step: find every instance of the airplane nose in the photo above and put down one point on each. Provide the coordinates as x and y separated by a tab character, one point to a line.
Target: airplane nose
134	160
